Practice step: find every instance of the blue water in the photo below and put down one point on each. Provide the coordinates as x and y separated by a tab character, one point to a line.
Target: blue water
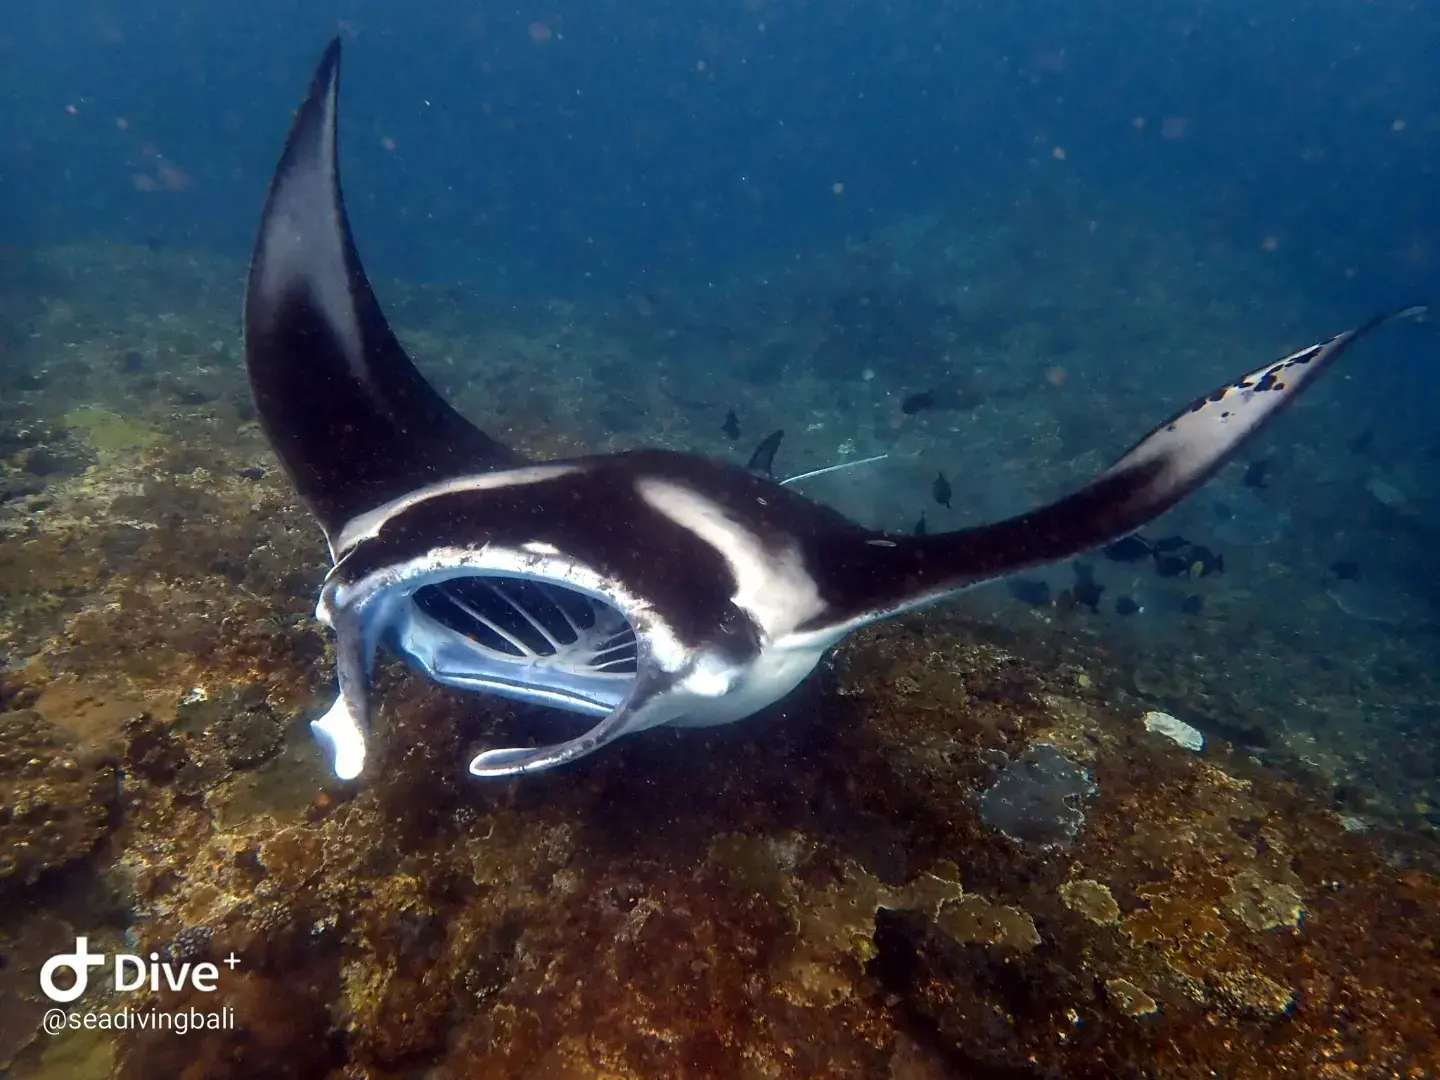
638	141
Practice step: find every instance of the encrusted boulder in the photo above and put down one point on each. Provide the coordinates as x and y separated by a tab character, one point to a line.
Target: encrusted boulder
55	806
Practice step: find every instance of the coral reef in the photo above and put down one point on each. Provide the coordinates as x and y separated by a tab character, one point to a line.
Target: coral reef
55	804
954	853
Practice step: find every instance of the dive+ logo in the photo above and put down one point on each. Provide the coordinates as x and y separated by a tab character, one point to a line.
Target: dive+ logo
131	973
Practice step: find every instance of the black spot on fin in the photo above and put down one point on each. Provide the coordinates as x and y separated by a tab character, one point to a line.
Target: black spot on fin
352	420
763	460
862	579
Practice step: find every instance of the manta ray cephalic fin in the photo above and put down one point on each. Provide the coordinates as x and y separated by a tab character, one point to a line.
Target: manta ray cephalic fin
649	685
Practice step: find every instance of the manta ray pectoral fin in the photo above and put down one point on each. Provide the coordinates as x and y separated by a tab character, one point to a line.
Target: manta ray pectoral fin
630	715
351	418
883	575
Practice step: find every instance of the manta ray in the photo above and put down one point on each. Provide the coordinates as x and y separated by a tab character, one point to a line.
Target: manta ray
638	589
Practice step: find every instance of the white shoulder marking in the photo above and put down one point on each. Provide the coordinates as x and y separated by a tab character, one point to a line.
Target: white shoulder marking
773	587
367	525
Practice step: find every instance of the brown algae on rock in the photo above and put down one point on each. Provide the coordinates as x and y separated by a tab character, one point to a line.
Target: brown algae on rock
1091	899
1262	904
109	431
1129	998
973	921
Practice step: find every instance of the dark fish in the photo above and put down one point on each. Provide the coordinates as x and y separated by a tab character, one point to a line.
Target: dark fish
731	427
1032	591
1203	561
1086	591
1363	443
1346	569
763	459
941	490
1124	605
1171	565
918	403
1129	549
251	472
1170	543
1193	604
1257	473
921	528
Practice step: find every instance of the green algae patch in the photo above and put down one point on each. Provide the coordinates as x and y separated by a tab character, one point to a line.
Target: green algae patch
107	430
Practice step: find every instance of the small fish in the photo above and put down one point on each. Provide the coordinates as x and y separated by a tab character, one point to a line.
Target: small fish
1257	473
1129	549
251	472
941	490
921	527
1346	569
1204	562
731	427
1084	594
1363	443
918	402
1032	591
1124	605
1086	591
1171	565
1170	543
1193	604
762	461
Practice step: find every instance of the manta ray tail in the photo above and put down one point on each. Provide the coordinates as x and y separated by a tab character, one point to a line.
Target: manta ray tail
1169	463
353	421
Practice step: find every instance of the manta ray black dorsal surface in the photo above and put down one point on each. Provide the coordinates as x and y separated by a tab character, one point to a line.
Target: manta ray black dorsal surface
349	416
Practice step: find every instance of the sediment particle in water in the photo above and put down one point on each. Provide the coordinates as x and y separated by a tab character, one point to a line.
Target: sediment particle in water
1091	899
1177	731
1129	998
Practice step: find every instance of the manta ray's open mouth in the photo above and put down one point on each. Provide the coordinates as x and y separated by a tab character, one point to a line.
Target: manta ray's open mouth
526	639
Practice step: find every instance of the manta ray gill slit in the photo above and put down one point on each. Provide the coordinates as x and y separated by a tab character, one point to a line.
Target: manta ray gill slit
521	638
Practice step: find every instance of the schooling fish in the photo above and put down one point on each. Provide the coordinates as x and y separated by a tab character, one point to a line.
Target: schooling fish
731	427
642	588
1257	474
922	528
941	490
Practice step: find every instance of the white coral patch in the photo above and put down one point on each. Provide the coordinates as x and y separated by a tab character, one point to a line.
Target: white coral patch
1176	731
